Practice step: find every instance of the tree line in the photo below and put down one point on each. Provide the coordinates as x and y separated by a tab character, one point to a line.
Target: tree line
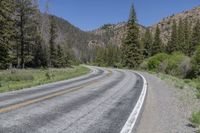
184	38
21	39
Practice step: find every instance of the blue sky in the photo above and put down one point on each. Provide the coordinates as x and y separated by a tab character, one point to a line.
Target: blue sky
91	14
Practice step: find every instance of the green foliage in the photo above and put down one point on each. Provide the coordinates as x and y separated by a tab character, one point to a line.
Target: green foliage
52	43
172	45
196	62
25	31
6	31
176	64
25	78
154	63
195	38
147	42
195	119
157	43
131	48
108	56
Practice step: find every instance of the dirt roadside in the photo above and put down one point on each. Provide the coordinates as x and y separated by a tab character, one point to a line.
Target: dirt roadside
167	108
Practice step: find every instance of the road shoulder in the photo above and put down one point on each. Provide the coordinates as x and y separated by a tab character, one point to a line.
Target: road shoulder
166	110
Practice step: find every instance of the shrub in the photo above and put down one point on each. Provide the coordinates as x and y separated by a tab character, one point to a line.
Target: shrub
196	62
176	64
154	63
49	75
195	119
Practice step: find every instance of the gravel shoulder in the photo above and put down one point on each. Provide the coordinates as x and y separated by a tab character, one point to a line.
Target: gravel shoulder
167	108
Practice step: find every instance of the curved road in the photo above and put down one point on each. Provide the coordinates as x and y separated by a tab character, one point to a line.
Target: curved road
99	102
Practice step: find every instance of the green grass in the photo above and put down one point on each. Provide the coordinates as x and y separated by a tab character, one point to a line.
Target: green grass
11	80
195	119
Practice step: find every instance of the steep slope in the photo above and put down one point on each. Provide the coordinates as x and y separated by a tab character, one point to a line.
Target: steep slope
83	42
166	24
114	33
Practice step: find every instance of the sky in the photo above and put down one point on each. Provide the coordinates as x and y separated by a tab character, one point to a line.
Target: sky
92	14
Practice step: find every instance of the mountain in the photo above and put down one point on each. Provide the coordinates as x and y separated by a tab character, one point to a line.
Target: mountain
82	42
114	33
166	23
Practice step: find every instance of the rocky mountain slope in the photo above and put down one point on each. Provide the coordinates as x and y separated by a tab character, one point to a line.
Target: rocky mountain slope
166	24
81	41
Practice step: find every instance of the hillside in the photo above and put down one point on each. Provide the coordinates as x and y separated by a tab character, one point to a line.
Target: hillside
81	41
166	24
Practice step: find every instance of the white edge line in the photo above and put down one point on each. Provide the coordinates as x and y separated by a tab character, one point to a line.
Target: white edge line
131	122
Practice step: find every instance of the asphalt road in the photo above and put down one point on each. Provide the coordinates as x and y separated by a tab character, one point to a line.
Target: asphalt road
100	102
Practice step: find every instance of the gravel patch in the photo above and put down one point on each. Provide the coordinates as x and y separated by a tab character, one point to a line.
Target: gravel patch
167	108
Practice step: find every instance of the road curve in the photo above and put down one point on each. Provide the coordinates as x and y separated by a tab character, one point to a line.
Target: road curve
99	102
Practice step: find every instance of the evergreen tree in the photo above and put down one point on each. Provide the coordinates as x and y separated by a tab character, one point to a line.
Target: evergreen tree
147	44
187	37
157	43
25	30
6	30
61	59
52	43
131	48
181	36
173	42
100	54
40	54
195	39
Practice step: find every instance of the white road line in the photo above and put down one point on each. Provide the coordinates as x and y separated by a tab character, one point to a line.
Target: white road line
131	122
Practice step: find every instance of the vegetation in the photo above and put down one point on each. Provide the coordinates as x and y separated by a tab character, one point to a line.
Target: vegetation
16	79
195	119
176	64
22	40
107	56
147	42
157	43
131	48
196	62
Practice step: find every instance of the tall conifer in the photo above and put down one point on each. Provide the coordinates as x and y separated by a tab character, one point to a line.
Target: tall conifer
147	44
6	30
157	43
131	48
173	41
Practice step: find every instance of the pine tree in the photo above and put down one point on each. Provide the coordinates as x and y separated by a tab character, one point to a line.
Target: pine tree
181	36
147	44
195	39
25	30
157	43
173	42
61	61
131	48
6	31
52	43
187	37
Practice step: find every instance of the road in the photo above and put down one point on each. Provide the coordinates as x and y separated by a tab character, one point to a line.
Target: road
99	102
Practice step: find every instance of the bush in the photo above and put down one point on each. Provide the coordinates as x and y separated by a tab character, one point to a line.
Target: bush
176	64
49	75
195	119
154	63
196	62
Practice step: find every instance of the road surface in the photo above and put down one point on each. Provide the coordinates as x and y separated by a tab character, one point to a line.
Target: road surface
99	102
